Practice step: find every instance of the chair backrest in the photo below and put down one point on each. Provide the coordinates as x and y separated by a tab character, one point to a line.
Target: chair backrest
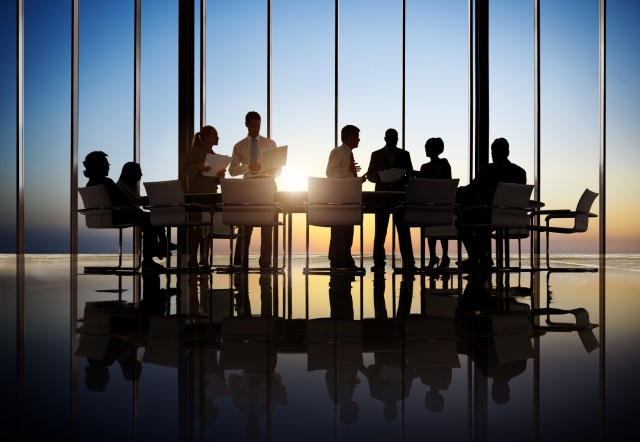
334	201
430	202
97	212
584	206
248	202
166	193
510	203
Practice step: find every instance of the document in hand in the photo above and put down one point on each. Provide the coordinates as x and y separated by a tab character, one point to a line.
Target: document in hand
391	175
216	163
274	158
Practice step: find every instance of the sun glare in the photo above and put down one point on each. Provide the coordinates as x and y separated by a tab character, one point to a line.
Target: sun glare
292	180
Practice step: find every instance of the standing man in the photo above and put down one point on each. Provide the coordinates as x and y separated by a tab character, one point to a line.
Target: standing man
342	165
245	160
390	156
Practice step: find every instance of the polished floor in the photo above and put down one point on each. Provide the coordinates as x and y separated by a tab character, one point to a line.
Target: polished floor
526	356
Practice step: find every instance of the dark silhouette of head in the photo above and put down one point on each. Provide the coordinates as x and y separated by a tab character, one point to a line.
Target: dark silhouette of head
434	401
500	149
434	146
391	137
349	413
131	173
96	165
207	134
500	391
96	376
252	120
349	133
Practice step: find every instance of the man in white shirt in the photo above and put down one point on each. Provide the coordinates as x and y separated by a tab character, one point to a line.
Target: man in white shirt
245	160
342	165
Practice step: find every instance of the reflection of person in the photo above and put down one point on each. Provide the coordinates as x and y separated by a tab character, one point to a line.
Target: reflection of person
438	168
201	146
341	384
341	164
387	383
480	192
340	299
97	370
245	160
390	156
96	169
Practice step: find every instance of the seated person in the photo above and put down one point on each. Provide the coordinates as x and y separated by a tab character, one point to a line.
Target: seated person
97	169
128	183
480	192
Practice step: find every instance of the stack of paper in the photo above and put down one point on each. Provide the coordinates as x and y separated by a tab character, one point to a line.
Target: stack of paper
216	163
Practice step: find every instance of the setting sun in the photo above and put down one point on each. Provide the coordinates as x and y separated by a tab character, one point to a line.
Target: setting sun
291	180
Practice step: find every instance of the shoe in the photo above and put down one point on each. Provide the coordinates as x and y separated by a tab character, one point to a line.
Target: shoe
150	264
444	264
173	246
433	262
377	268
485	262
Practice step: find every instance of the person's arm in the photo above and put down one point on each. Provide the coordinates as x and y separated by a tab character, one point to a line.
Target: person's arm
236	167
447	168
373	173
194	163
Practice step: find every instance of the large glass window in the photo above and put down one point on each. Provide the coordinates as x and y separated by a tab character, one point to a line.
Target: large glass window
370	73
106	97
47	119
511	79
8	121
159	91
570	124
236	68
437	81
303	96
623	132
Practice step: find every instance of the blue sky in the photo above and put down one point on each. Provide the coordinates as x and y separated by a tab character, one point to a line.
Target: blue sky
370	74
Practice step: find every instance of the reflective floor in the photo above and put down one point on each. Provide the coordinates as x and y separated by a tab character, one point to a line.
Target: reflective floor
540	356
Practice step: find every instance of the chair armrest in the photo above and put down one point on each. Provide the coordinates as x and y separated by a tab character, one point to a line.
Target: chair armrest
200	207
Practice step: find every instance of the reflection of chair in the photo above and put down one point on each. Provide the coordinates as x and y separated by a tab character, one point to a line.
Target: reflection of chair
580	218
251	203
99	214
167	208
334	202
429	203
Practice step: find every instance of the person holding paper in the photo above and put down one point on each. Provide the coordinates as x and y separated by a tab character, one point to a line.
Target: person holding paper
245	160
438	168
194	167
342	165
390	156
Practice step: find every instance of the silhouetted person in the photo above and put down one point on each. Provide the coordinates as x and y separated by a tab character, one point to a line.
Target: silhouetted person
340	299
97	169
436	168
474	316
246	160
97	371
195	164
480	192
130	176
341	164
390	156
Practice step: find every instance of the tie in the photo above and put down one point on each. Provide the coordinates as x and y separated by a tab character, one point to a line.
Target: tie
254	150
352	166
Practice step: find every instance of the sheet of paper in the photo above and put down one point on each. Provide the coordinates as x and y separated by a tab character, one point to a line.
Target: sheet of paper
217	163
391	175
274	158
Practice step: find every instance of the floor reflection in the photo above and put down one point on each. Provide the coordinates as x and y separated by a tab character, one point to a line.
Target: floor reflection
263	356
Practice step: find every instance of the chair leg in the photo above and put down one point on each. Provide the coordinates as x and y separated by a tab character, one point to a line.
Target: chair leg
307	246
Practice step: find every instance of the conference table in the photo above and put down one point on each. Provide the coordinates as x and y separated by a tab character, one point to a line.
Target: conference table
294	202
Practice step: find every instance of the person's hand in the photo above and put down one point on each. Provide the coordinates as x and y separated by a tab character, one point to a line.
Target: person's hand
203	167
357	167
255	167
221	173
